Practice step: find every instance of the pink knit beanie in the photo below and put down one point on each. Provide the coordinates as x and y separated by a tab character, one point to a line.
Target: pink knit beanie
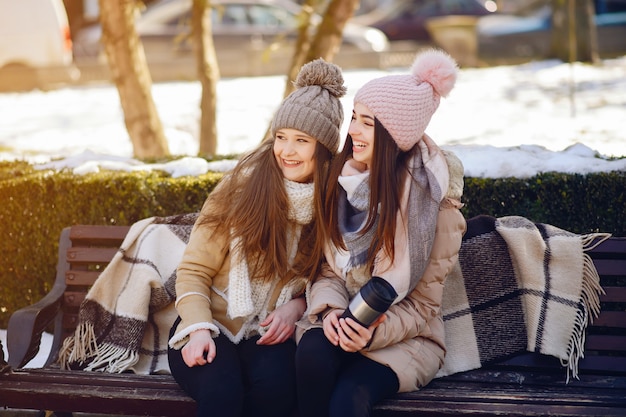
404	104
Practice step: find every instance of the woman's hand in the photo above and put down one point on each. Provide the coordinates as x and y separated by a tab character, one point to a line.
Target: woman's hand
347	333
282	322
200	349
330	325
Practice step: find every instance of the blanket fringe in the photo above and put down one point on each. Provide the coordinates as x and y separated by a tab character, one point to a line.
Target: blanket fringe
113	359
590	298
72	352
592	240
90	356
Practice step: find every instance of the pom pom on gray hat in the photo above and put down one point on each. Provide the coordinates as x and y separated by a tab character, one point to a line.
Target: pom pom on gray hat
404	104
314	106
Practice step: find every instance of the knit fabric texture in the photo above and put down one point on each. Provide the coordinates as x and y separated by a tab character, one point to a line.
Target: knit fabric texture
247	298
314	107
404	104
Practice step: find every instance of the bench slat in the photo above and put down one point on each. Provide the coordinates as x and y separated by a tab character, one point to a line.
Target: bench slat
92	255
614	294
99	235
542	376
98	379
610	247
83	278
73	298
481	407
606	343
70	321
610	267
608	364
126	394
124	400
615	365
489	392
611	319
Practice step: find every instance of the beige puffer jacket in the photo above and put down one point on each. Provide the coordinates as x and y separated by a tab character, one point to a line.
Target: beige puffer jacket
411	340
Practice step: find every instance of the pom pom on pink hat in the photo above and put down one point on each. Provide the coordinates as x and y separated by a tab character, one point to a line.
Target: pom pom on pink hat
404	104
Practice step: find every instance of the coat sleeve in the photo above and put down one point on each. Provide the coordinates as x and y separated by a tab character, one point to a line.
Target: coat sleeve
410	317
202	260
327	292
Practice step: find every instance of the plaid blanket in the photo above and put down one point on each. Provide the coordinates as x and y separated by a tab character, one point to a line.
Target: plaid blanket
125	319
518	286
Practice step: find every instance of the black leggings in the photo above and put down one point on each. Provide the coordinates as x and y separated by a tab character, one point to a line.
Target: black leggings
244	379
335	383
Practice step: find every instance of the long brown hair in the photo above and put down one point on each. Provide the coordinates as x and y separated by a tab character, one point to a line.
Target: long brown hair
387	173
251	203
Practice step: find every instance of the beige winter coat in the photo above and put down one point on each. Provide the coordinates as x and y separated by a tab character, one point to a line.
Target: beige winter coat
202	288
411	340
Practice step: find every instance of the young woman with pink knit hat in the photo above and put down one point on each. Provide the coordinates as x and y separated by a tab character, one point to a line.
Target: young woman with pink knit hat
393	223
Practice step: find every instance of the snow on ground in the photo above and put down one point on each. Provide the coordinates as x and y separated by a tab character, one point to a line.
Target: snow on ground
501	121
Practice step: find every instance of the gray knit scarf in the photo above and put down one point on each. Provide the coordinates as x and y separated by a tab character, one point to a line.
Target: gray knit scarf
415	225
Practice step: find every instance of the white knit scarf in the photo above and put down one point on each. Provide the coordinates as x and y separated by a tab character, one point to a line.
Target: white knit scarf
248	298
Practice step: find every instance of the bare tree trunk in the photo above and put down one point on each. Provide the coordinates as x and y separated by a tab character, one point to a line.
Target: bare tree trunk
127	63
208	74
574	34
587	45
327	40
303	43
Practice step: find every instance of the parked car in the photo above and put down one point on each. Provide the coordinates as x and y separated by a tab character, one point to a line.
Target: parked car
406	20
525	35
251	37
35	45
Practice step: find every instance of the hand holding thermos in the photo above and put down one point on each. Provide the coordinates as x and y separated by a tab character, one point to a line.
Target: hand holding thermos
366	308
372	300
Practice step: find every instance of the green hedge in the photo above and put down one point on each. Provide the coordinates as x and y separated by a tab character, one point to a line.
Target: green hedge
36	205
578	203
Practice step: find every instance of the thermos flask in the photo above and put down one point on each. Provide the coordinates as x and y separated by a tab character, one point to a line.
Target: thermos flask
372	300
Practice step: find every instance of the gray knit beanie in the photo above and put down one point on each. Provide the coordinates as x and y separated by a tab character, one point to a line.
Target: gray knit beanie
314	107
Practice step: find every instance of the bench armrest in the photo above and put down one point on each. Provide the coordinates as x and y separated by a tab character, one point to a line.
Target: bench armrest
27	324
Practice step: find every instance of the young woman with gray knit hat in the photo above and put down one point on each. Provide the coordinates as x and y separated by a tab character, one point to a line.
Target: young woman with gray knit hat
255	247
394	224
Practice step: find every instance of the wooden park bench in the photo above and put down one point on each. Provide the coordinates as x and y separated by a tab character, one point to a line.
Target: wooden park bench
526	385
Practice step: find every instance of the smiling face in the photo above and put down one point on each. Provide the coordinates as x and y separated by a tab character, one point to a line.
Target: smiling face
295	154
361	131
